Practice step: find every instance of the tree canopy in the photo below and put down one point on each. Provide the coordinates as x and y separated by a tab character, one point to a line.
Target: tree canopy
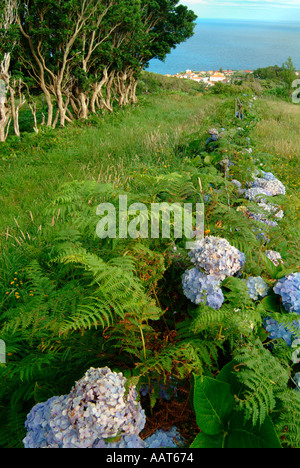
84	55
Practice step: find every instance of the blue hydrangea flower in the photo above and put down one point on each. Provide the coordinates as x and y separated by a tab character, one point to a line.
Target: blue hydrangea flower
261	235
165	439
262	219
278	330
270	184
257	288
128	441
271	208
268	175
216	257
297	381
254	192
39	431
296	354
98	407
200	288
289	289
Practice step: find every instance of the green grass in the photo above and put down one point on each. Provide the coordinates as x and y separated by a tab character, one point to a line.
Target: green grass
278	134
109	149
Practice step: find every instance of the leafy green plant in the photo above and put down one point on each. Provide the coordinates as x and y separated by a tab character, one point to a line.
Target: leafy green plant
221	422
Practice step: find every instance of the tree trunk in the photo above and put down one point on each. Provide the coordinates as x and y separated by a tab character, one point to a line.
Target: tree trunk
62	107
49	105
16	109
74	105
5	120
108	102
5	108
132	90
97	91
121	88
84	105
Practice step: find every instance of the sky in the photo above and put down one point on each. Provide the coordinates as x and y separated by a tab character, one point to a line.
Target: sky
265	10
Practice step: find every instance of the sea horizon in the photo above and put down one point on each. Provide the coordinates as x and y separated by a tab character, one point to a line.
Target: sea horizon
234	44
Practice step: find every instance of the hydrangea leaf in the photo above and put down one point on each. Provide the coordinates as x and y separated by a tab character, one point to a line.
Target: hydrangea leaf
213	404
248	436
207	441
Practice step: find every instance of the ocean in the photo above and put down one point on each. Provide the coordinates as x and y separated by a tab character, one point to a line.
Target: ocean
233	44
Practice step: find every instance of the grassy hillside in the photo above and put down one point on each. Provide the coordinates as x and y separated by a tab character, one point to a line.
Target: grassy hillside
106	149
70	301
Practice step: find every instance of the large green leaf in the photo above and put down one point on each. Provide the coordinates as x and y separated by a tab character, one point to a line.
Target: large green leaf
245	435
213	404
229	375
271	303
208	441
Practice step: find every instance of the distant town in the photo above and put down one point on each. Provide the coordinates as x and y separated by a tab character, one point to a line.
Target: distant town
210	78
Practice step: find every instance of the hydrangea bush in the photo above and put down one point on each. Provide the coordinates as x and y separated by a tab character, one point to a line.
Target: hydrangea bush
261	218
278	330
289	290
98	407
253	193
270	184
267	185
200	288
271	208
217	257
99	412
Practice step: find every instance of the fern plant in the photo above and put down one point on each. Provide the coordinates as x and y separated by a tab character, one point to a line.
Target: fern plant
266	390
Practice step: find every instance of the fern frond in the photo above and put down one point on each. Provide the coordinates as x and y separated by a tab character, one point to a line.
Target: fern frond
287	425
263	378
12	429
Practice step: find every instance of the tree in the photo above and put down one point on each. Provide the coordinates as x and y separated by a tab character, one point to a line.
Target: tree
164	24
85	54
9	84
55	40
268	73
289	72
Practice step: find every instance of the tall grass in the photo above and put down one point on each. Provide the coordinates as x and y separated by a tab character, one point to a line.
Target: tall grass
108	148
278	134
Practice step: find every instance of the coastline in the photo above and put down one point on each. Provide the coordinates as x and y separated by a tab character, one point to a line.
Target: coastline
211	77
